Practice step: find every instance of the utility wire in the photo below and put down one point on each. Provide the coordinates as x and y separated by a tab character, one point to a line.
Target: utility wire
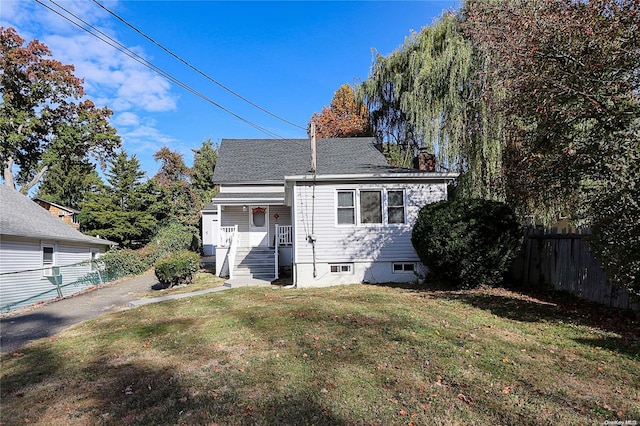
123	49
202	73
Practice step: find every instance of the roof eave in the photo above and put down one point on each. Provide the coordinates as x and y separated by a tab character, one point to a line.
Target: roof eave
88	240
400	175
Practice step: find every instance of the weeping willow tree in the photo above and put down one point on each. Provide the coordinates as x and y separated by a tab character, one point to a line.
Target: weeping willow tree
432	93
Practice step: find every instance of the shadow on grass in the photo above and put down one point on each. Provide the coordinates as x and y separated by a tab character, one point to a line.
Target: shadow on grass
37	365
529	305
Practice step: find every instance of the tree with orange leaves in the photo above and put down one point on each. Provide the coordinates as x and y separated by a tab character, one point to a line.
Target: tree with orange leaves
345	117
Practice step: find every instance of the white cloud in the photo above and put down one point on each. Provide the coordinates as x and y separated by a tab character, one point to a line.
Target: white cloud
126	119
111	78
145	139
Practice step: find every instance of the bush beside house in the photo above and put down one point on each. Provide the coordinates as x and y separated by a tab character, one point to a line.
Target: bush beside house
177	268
169	239
468	242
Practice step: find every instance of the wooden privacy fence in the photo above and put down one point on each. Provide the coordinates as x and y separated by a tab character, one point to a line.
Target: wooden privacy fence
563	261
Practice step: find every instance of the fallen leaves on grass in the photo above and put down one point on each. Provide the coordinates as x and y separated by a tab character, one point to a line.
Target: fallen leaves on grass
464	399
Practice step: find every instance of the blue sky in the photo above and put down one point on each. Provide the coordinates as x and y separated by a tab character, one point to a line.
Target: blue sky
287	57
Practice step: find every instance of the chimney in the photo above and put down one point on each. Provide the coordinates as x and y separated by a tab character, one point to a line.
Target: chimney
425	161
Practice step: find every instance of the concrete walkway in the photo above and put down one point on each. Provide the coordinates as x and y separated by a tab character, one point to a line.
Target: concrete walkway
25	326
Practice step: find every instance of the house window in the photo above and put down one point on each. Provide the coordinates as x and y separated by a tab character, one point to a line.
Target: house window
341	268
48	260
95	254
404	268
370	206
346	208
376	206
395	207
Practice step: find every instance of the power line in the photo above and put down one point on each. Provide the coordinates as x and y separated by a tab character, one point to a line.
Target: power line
123	49
202	73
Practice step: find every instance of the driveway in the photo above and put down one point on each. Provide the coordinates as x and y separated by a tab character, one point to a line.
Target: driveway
16	330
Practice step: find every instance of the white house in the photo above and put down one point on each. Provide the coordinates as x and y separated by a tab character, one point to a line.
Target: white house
349	222
41	257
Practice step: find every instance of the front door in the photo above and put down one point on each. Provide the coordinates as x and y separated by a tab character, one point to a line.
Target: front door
259	226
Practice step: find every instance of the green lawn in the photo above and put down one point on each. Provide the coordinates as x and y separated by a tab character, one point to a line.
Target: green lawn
347	355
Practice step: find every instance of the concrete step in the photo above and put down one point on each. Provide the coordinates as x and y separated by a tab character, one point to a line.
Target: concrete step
256	262
255	274
247	282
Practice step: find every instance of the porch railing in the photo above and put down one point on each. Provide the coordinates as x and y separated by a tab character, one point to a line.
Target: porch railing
284	235
233	244
226	234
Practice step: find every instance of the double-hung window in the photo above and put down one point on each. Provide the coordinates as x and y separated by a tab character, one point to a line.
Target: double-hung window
395	206
48	260
346	208
371	207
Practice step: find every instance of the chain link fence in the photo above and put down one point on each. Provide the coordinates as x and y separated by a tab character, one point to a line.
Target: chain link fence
20	289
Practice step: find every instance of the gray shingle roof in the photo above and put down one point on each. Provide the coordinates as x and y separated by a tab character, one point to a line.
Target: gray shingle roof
258	160
21	217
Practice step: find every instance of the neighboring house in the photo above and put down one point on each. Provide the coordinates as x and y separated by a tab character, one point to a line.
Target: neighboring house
41	257
349	222
67	214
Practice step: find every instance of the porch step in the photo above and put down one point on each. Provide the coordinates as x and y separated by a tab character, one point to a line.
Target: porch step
246	282
254	263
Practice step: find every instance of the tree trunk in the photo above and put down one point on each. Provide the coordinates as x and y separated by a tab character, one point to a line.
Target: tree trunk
26	187
7	173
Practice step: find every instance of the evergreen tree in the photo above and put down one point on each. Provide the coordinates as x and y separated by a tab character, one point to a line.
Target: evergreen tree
122	210
204	163
177	193
69	183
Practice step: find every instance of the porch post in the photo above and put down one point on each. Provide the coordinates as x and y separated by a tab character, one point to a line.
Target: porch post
218	225
277	261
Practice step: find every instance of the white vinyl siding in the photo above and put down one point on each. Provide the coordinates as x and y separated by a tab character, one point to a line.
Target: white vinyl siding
234	215
71	254
336	243
24	257
284	218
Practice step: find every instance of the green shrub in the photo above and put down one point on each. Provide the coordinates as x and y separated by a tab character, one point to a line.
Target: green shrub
177	268
170	239
122	262
467	242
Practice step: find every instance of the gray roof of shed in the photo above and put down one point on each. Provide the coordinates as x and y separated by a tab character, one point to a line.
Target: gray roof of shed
22	217
259	160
